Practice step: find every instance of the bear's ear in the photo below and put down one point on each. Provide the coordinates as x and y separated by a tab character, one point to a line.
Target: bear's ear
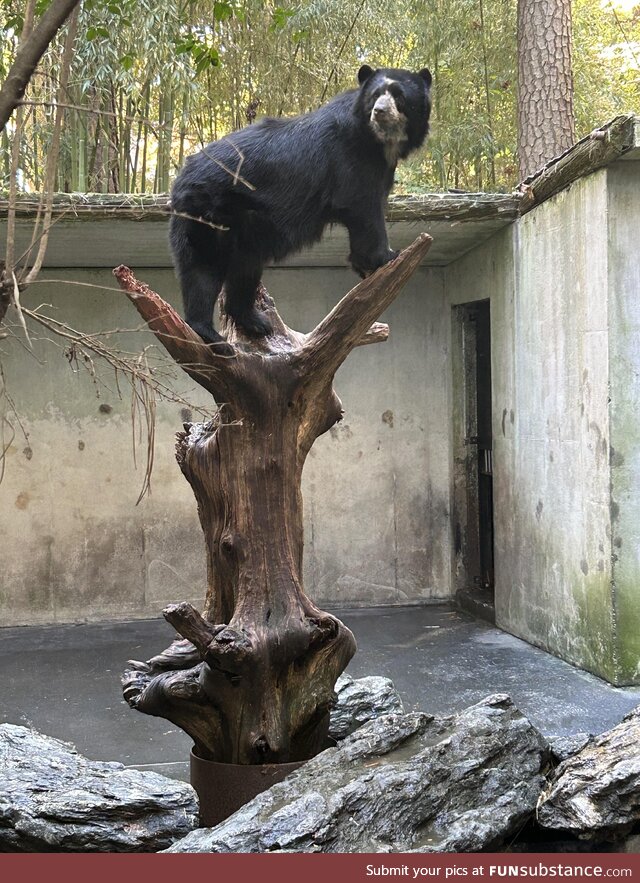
364	73
425	73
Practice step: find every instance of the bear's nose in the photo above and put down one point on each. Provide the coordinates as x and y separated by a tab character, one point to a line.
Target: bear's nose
384	106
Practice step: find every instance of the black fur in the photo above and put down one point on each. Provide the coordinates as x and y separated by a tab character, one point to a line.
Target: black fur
276	185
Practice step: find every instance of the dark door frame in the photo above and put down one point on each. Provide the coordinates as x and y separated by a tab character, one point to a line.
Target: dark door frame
473	558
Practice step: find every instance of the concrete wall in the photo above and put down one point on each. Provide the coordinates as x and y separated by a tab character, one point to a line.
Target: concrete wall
75	546
564	283
624	318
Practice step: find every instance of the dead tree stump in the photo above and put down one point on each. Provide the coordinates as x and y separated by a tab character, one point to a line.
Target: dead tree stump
253	679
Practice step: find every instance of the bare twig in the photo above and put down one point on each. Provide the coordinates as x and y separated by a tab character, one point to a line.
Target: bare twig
198	219
16	302
143	408
36	237
5	277
7	405
144	379
54	148
126	364
93	111
234	174
341	50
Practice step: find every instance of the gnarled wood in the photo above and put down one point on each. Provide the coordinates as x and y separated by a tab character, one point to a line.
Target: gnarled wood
253	681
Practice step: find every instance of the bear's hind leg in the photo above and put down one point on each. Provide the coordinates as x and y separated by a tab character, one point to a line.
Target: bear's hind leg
200	290
240	286
200	267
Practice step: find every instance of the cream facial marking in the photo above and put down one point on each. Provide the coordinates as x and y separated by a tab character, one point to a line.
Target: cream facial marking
388	124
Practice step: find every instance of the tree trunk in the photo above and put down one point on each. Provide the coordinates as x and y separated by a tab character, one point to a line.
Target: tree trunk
253	680
546	123
29	54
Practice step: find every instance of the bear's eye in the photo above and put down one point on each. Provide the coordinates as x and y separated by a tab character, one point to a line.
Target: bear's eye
398	96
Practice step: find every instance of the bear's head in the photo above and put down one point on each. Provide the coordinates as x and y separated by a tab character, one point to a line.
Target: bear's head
395	105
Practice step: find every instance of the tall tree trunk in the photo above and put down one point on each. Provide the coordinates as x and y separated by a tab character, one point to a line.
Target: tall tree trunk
546	122
114	151
253	680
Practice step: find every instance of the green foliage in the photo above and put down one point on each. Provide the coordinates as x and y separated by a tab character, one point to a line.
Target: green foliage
157	78
281	16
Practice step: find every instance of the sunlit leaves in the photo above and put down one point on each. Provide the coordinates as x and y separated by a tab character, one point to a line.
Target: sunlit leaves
222	11
203	54
280	16
93	33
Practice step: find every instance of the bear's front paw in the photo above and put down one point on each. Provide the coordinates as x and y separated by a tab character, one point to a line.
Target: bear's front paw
366	266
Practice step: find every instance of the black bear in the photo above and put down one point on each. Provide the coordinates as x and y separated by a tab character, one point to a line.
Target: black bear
276	185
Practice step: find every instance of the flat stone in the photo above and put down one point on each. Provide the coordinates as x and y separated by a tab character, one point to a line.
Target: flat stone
564	747
400	783
596	793
53	799
361	700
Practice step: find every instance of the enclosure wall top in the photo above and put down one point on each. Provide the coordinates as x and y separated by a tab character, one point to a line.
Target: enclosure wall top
458	222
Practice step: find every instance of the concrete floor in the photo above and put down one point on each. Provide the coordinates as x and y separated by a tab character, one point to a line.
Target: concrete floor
64	680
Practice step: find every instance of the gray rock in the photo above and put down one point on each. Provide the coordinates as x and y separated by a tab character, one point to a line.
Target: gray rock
402	782
53	799
596	793
563	747
629	844
360	701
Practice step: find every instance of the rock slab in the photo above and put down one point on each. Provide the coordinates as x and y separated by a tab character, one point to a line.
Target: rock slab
53	799
595	794
564	747
400	783
361	700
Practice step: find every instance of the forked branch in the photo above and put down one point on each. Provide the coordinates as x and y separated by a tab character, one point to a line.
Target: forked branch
351	323
332	340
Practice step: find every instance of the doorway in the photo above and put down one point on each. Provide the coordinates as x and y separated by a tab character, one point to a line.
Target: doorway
473	459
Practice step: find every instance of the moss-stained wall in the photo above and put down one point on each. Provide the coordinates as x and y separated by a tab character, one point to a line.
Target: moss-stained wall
76	547
624	345
564	283
555	582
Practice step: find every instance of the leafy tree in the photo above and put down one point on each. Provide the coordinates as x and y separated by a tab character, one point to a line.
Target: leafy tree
151	81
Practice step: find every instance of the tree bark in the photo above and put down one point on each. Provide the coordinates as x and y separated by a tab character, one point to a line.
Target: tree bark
30	53
253	679
546	123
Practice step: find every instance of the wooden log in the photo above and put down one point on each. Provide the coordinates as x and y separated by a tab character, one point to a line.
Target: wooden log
597	149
